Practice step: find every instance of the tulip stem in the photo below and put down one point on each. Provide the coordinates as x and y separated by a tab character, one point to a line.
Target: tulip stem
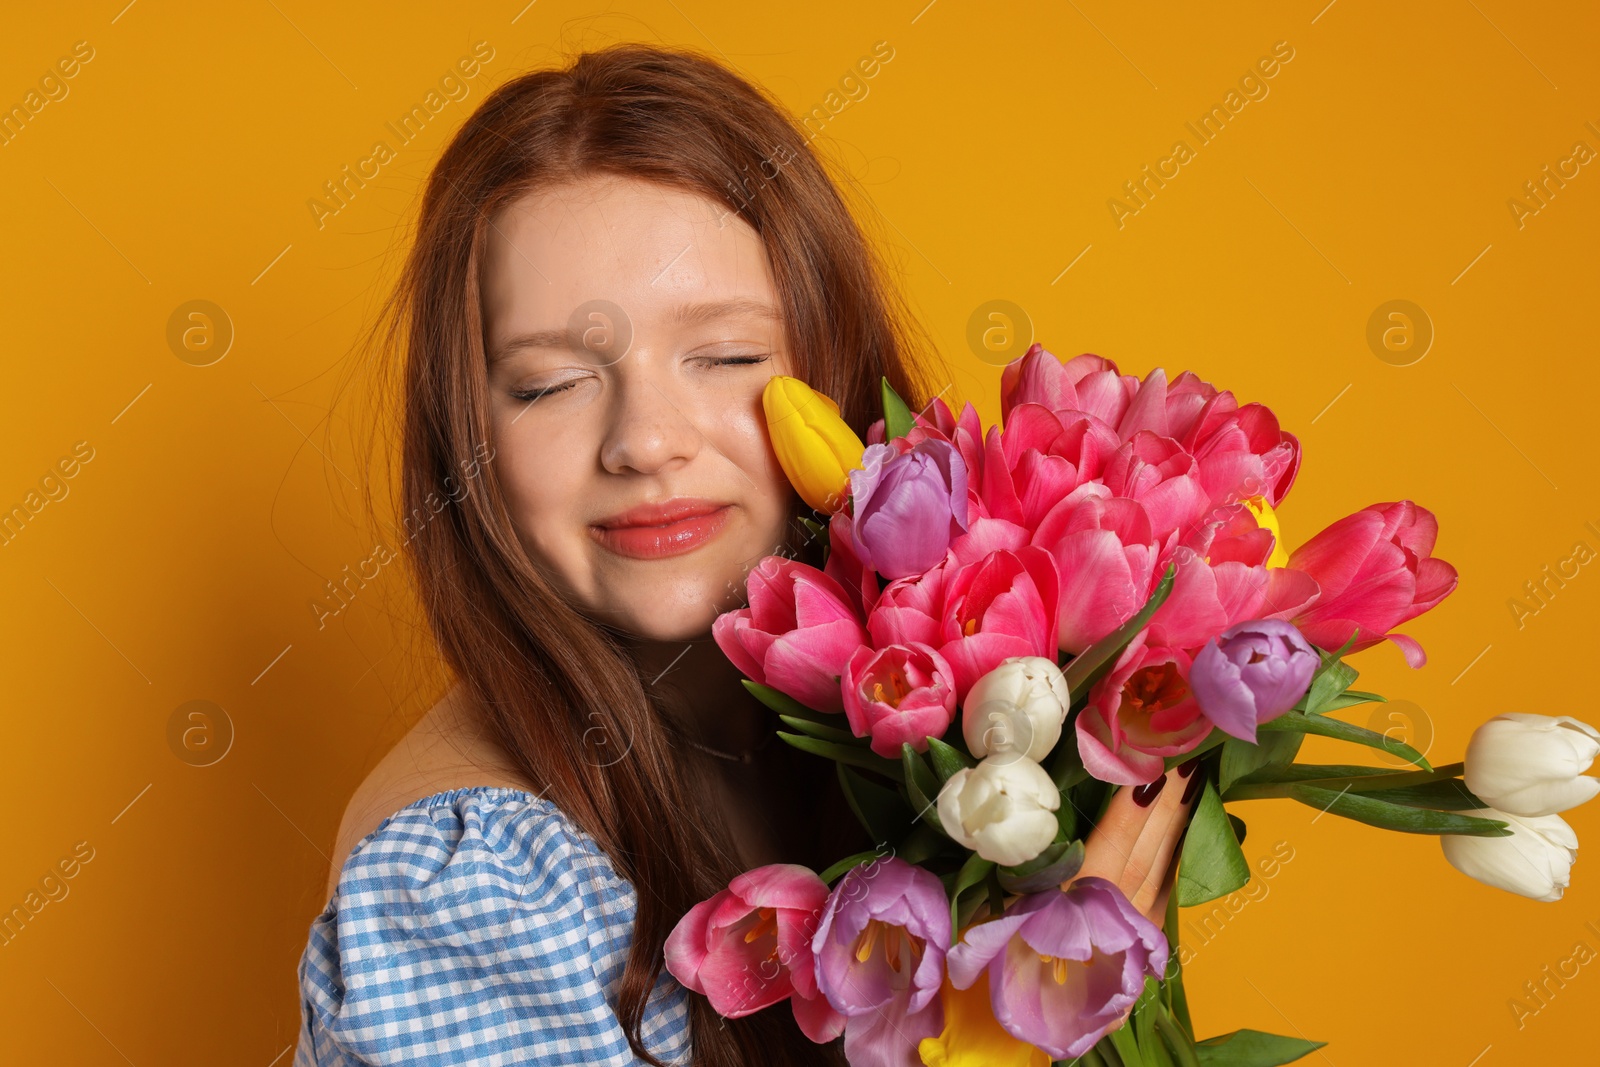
1358	783
1177	1041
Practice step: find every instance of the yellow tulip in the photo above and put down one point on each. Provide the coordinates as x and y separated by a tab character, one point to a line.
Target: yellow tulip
972	1037
1267	519
816	448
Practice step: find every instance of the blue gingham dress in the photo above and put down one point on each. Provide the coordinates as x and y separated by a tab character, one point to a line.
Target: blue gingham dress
478	927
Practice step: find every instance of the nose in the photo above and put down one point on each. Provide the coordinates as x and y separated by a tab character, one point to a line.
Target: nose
649	429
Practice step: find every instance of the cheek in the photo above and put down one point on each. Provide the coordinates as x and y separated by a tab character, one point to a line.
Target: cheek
768	495
538	472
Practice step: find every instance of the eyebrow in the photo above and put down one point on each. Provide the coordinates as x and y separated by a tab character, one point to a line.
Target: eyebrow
684	315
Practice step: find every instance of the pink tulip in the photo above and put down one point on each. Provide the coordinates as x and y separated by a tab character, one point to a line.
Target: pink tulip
976	607
1248	456
1039	458
1087	383
1241	451
907	611
796	636
1160	475
1223	578
1187	409
900	693
749	946
1105	554
1140	713
844	564
1376	570
1000	606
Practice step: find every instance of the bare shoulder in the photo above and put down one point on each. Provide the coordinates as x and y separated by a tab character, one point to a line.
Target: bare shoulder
448	748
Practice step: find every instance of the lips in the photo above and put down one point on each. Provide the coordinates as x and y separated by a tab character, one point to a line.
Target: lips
659	514
657	530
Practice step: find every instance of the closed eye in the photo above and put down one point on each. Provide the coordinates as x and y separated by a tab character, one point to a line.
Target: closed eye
532	395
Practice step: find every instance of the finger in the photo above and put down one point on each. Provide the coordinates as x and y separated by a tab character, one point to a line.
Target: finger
1153	852
1158	911
1132	844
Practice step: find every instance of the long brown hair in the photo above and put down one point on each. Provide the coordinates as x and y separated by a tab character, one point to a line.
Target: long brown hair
557	688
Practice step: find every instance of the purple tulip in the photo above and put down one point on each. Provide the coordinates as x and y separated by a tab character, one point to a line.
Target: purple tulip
880	952
1064	965
908	505
1251	673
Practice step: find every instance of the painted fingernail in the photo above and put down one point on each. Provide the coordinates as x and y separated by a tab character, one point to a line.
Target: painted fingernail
1187	767
1144	794
1192	788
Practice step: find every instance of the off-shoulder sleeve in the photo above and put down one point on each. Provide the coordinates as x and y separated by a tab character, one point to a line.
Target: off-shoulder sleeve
478	927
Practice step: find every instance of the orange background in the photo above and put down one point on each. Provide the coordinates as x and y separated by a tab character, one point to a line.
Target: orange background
183	561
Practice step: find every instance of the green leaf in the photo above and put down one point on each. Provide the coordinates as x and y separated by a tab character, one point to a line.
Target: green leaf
844	866
971	873
858	757
1214	739
947	759
921	783
1212	864
1240	757
1350	698
812	728
1127	1045
1334	678
1066	766
1144	1020
1066	818
1450	794
1174	1037
1239	827
1338	653
879	809
1174	985
1059	861
1325	726
1087	666
923	843
1156	1053
897	420
1252	1048
1386	816
1302	772
782	703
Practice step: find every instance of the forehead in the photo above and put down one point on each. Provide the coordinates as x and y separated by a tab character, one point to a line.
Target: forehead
647	248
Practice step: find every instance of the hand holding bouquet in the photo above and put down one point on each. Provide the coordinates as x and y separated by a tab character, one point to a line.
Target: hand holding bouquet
1010	624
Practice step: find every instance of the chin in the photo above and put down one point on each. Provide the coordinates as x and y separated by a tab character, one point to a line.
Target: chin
653	623
669	610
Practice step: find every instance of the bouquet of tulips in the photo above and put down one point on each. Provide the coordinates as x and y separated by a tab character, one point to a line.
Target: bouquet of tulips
1011	623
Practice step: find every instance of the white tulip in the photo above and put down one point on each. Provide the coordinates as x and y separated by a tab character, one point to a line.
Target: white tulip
1002	809
1532	764
1535	861
1018	707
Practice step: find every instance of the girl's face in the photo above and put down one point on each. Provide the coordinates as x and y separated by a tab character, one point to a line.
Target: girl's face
630	330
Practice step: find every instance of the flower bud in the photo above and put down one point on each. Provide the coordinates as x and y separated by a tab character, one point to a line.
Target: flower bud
1532	764
1003	809
815	447
1017	708
1251	673
1535	861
